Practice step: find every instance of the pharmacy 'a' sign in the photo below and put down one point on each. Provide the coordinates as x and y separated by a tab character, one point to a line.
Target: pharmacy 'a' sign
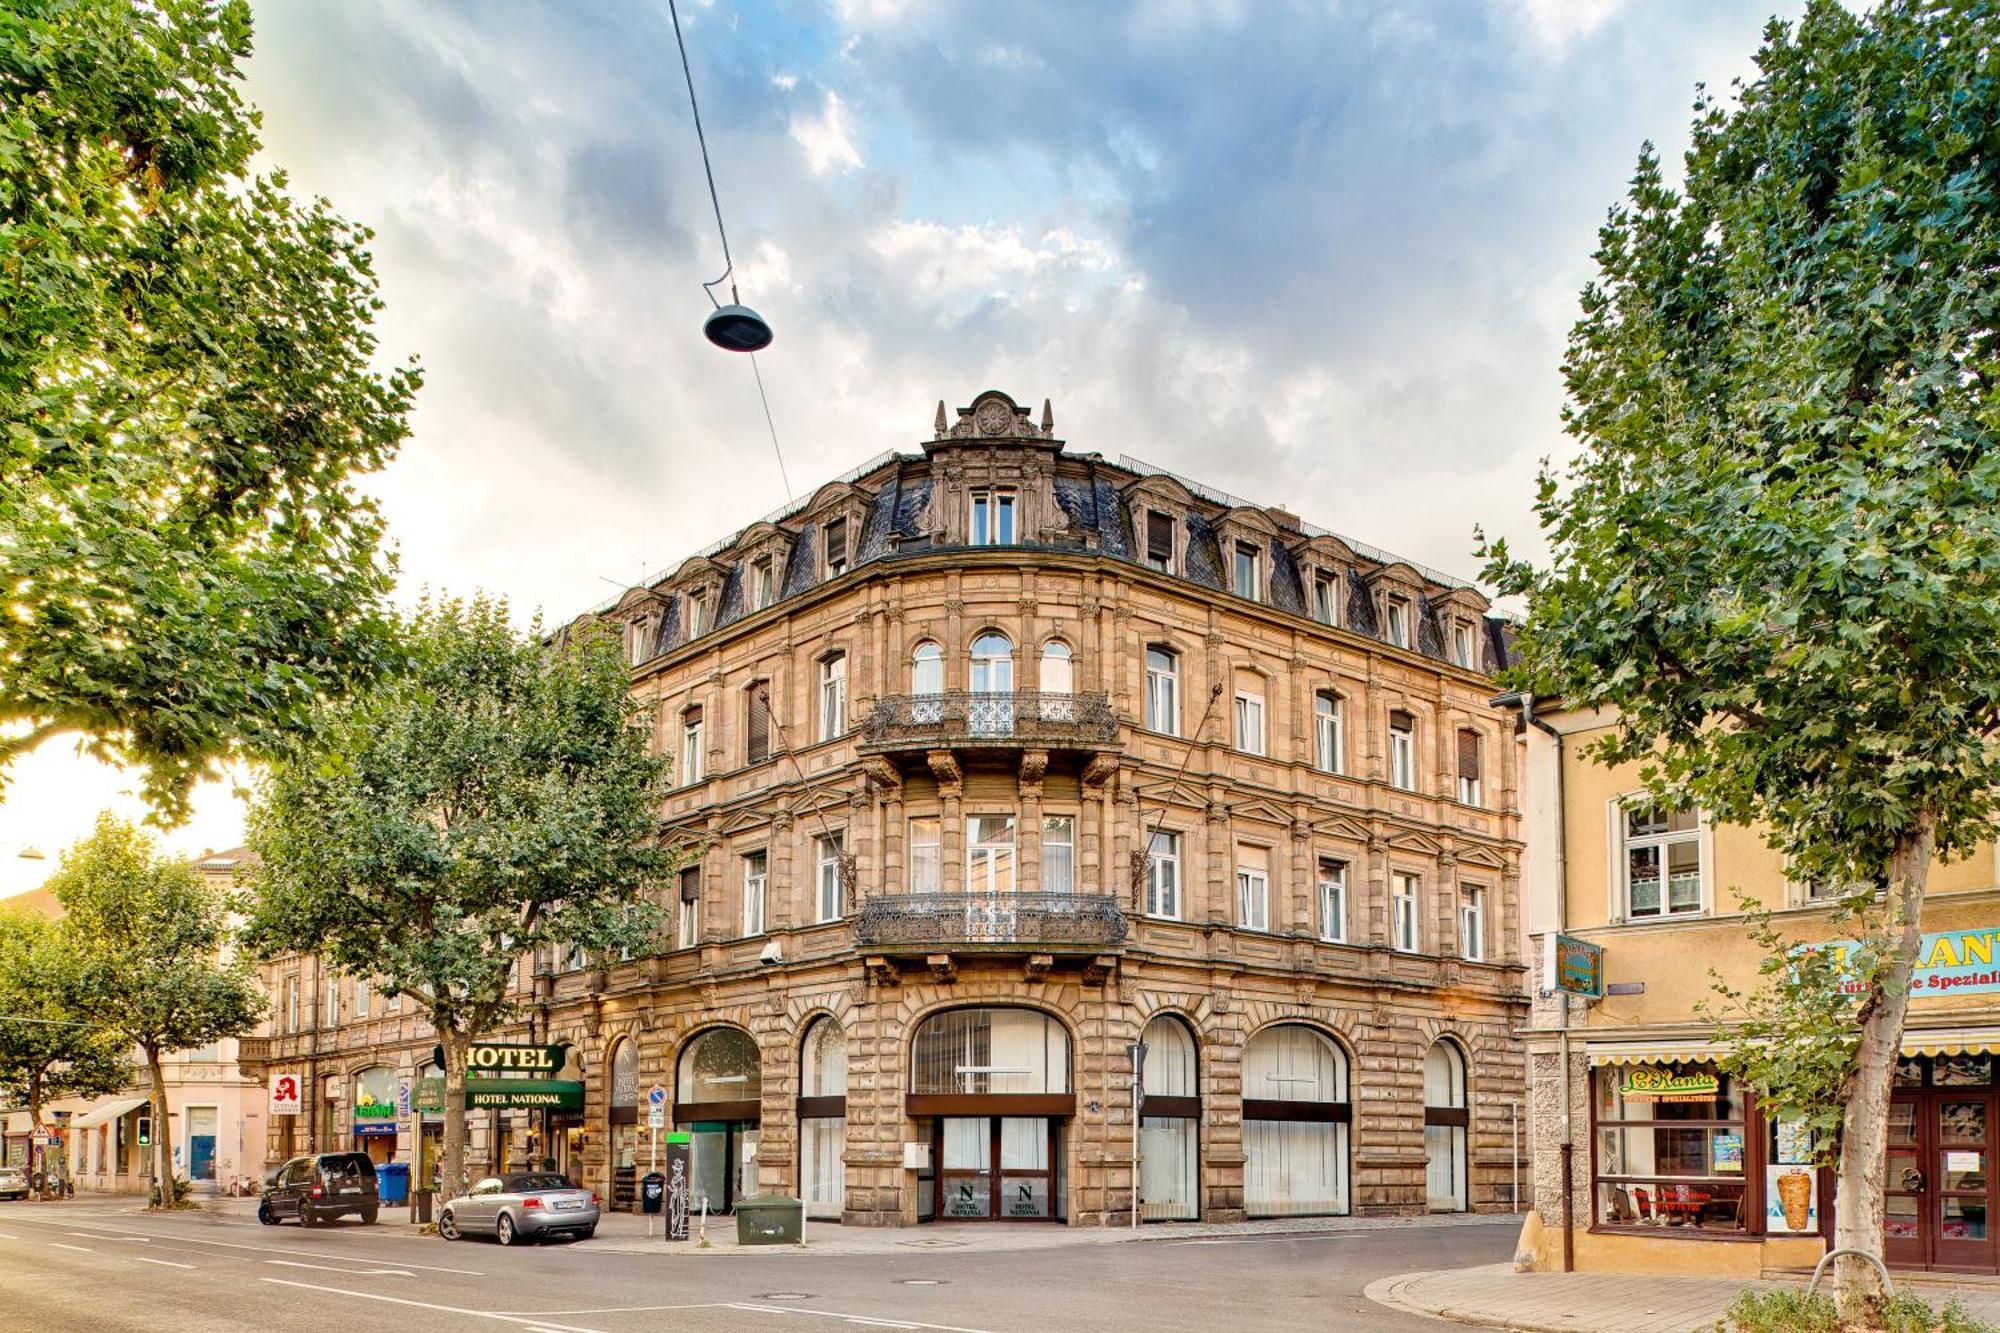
287	1092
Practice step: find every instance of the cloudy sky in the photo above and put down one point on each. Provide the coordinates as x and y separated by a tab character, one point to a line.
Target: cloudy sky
1320	254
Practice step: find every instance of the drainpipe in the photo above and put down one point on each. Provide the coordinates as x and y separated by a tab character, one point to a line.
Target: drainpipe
1567	1148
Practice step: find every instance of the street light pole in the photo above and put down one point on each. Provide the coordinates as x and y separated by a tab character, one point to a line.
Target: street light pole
1137	1050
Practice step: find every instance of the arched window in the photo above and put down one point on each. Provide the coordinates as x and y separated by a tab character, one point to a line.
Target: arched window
718	1093
1058	674
964	1051
927	669
1169	1177
1329	733
1295	1119
1163	690
992	664
995	1086
720	1065
624	1124
823	1119
1446	1118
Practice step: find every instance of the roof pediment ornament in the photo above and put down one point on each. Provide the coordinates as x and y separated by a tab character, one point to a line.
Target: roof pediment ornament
993	415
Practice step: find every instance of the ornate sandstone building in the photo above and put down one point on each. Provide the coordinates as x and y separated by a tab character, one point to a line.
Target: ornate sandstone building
993	761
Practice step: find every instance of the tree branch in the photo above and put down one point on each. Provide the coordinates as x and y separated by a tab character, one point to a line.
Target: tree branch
15	746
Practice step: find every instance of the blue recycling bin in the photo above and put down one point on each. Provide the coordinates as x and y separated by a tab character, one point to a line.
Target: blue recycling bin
392	1179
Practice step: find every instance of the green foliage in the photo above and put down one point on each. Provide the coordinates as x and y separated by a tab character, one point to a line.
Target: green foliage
496	797
1788	1311
50	1046
181	1188
185	391
151	939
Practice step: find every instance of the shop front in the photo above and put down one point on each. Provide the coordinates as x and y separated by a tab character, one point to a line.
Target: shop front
375	1113
991	1090
718	1101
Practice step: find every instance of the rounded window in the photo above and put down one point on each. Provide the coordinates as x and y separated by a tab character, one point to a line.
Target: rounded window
1058	669
965	1051
720	1065
625	1074
927	669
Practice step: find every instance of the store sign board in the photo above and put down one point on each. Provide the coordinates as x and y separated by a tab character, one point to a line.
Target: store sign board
499	1057
1790	1202
1574	966
287	1093
1657	1083
549	1093
1949	962
430	1095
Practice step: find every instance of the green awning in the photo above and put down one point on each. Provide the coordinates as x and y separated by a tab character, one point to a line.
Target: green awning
555	1094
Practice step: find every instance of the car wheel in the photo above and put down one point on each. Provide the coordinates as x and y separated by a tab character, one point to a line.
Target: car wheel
448	1225
307	1217
368	1216
265	1215
503	1231
586	1233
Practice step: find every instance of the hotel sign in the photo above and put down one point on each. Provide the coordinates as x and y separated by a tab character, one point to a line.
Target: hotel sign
1949	962
1574	966
494	1057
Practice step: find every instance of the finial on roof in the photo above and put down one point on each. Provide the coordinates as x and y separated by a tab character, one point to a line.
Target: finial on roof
940	419
1048	418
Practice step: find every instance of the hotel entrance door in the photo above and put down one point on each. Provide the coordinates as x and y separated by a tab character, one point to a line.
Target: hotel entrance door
998	1167
1938	1209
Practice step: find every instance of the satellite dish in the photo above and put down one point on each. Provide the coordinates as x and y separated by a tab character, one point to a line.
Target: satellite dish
737	328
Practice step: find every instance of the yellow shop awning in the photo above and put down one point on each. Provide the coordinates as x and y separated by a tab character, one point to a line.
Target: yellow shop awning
1655	1052
1950	1041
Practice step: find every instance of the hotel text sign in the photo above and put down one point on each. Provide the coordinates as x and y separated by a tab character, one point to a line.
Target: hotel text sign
1950	962
492	1057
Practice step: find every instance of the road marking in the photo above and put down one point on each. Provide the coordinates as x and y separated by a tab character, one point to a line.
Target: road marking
535	1323
8	1235
353	1272
106	1233
165	1263
80	1249
752	1308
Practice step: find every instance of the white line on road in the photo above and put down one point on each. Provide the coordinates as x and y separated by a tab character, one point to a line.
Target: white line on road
542	1324
853	1318
164	1263
352	1272
106	1233
80	1249
8	1235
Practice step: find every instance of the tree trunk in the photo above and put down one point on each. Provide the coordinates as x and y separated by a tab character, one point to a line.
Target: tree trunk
1865	1123
457	1053
163	1135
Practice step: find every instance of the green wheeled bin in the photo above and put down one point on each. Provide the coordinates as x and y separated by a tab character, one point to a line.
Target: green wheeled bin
770	1219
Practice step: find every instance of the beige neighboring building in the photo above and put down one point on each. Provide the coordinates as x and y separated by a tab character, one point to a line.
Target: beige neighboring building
217	1112
993	759
1674	1167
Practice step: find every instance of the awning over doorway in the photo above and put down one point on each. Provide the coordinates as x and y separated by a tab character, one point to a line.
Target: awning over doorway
1950	1041
1916	1041
105	1114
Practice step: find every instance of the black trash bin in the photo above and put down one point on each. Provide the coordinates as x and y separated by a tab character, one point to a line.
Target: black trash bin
652	1192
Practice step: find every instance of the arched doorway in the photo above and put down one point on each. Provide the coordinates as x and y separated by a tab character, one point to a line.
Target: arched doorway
1295	1122
823	1120
625	1124
995	1085
1446	1118
718	1099
1169	1130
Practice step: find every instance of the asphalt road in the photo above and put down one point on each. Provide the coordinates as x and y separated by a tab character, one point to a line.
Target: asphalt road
72	1266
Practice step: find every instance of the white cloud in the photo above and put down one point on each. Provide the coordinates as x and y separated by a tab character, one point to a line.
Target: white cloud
827	139
784	83
1558	24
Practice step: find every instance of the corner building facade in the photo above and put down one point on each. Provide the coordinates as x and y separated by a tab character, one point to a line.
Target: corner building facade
994	761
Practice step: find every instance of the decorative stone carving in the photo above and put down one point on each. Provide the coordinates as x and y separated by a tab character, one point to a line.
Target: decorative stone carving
1034	765
880	773
944	767
1098	770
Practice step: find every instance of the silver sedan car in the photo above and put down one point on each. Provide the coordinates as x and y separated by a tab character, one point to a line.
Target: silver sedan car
13	1183
528	1206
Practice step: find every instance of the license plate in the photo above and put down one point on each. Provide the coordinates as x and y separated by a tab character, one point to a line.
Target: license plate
350	1189
569	1205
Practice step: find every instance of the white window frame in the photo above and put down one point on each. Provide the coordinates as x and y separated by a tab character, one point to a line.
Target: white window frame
635	641
1330	732
1253	898
691	751
1406	912
832	696
1237	554
1332	900
1163	875
1249	722
1058	834
1472	922
688	922
1461	643
992	514
1622	845
935	865
361	998
763	583
756	884
1326	610
698	617
1403	757
331	986
828	904
1396	621
1163	693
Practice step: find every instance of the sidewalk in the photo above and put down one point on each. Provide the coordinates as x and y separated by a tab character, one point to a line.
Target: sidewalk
1495	1296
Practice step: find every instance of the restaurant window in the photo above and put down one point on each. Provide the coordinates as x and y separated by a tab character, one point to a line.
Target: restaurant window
992	518
926	855
1253	888
1396	621
1329	733
757	722
1163	876
1332	900
832	696
1402	750
1662	861
1468	767
1059	854
1163	691
1670	1147
756	878
834	545
1248	568
829	904
1160	541
691	753
1326	598
690	918
1405	898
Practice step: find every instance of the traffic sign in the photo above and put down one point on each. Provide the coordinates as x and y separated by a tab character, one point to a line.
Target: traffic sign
287	1093
656	1117
657	1097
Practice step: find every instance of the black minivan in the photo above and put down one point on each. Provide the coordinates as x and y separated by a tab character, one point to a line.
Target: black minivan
319	1189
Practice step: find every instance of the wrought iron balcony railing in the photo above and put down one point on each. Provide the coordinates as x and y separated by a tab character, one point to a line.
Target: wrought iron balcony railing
948	919
1017	717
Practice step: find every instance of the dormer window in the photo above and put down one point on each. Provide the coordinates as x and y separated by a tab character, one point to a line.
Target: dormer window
992	518
1461	643
763	584
698	614
1248	571
1326	597
1396	621
1159	541
834	541
635	642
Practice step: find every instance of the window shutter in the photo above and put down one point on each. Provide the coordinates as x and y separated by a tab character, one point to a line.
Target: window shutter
1401	721
757	746
691	884
1159	536
691	717
1468	755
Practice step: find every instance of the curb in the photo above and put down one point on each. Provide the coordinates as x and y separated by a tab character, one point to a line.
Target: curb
1391	1292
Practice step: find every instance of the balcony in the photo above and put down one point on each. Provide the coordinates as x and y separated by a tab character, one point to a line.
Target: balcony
1020	719
990	922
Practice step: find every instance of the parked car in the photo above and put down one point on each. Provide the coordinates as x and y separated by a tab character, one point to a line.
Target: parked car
529	1206
13	1183
319	1189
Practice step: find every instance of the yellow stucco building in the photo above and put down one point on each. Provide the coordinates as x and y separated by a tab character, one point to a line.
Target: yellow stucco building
1671	1164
